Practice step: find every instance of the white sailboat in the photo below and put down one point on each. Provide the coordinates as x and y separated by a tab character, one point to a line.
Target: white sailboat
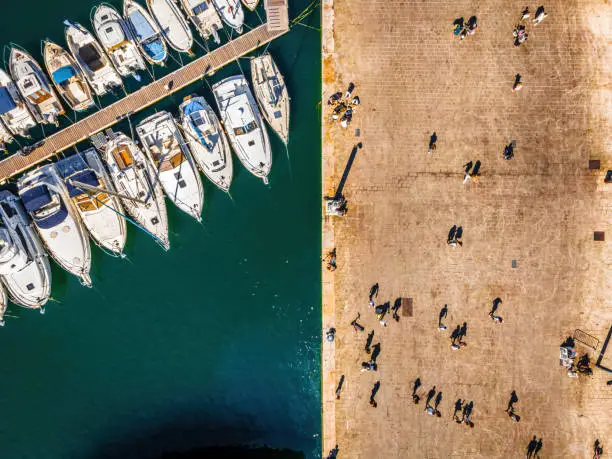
87	183
46	199
67	77
88	53
24	267
204	18
244	126
271	93
14	112
115	38
135	177
172	23
207	141
251	4
146	32
176	169
231	12
35	87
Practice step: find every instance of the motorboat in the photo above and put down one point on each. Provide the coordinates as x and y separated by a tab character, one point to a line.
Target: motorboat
135	178
13	109
116	40
88	53
244	126
250	4
146	32
35	87
92	194
24	267
204	18
172	23
231	13
207	141
175	167
46	199
271	94
67	77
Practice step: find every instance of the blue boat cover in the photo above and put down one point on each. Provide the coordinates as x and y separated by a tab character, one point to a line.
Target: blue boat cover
35	198
88	177
192	106
6	101
155	50
63	74
142	27
189	109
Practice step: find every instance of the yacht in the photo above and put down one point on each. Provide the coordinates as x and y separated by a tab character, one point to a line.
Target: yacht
251	4
231	12
172	23
67	77
88	53
207	141
35	87
204	18
87	183
271	93
244	126
135	177
24	267
116	41
174	164
146	32
46	199
14	111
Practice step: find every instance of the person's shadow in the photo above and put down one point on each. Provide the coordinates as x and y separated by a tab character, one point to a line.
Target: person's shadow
375	352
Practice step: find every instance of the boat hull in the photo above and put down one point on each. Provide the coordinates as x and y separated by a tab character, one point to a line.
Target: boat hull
173	25
145	32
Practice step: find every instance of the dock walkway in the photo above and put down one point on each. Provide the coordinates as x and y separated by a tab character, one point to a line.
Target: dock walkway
144	97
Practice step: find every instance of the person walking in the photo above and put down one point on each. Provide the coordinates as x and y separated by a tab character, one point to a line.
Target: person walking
539	15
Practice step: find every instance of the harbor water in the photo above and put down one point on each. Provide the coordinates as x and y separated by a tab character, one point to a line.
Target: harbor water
215	342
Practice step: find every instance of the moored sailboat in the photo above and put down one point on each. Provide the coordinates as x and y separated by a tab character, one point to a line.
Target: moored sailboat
176	169
115	38
24	267
204	18
14	113
271	93
46	199
175	29
231	13
88	53
67	77
135	178
244	125
87	183
207	141
145	32
35	87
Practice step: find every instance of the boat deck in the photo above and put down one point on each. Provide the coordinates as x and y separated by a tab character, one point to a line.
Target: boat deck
142	98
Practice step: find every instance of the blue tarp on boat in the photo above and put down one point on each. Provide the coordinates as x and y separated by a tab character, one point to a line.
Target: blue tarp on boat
63	74
88	177
193	107
155	50
38	197
6	101
200	8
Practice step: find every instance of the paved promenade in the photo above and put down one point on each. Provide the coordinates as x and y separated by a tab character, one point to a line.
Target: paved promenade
528	226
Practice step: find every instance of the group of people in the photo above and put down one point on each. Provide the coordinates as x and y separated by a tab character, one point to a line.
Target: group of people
520	32
457	336
343	104
462	29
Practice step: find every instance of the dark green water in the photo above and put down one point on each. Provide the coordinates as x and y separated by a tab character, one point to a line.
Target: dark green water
216	341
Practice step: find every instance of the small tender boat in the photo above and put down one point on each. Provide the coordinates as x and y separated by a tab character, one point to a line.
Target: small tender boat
231	12
146	32
135	177
13	109
88	53
46	199
172	23
116	41
67	77
244	126
176	169
87	183
24	267
207	141
35	87
204	17
271	93
251	4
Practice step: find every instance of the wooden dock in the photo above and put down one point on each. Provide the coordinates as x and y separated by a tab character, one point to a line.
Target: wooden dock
147	95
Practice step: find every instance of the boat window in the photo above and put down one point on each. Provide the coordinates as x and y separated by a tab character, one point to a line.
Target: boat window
246	129
200	8
104	18
8	209
48	209
28	84
182	184
108	29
